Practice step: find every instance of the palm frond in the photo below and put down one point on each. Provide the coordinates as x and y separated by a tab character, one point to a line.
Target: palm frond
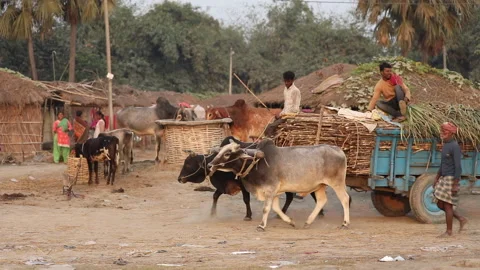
90	10
405	35
383	31
22	26
6	21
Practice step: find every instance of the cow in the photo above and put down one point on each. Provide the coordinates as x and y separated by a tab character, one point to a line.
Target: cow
103	148
125	146
141	120
268	171
248	123
195	170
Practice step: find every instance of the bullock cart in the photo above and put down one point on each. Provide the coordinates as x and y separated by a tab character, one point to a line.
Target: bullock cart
197	136
399	171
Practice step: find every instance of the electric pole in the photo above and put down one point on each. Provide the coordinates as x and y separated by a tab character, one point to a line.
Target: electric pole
231	71
109	65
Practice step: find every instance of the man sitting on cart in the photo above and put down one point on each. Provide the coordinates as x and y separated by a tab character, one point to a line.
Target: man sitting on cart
446	184
292	98
395	93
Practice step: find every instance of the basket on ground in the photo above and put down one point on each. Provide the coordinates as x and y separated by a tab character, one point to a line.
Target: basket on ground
197	136
75	164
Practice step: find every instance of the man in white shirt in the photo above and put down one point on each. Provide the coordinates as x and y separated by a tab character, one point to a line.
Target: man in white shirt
292	98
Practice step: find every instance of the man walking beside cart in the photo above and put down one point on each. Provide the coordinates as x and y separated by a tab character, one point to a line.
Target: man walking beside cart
446	184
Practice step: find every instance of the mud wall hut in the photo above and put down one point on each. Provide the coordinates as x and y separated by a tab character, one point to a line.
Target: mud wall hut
21	114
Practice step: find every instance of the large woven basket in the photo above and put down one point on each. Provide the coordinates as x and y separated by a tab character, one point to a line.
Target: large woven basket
72	167
197	136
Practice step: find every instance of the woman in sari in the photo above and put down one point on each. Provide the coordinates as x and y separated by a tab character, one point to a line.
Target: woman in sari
61	140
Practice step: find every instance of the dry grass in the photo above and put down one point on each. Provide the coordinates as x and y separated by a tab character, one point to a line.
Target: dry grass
18	90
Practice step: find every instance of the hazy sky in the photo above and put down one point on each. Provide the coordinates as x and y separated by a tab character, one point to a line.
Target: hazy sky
231	11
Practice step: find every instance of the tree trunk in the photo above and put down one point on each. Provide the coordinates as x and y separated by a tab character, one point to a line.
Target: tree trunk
425	58
73	52
31	57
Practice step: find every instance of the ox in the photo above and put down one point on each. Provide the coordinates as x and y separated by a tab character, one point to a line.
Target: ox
103	148
141	120
195	170
125	146
269	171
248	123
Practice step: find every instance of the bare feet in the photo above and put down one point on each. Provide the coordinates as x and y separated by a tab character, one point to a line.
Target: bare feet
445	235
463	221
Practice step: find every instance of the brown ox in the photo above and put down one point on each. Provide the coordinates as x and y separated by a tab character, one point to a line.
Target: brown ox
248	122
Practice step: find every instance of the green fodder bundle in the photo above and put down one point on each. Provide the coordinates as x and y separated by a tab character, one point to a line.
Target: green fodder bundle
424	121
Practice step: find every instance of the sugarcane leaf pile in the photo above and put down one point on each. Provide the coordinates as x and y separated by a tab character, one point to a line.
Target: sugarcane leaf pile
424	121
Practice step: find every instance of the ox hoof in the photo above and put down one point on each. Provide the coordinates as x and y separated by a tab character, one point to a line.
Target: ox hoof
343	227
260	228
306	226
292	224
247	219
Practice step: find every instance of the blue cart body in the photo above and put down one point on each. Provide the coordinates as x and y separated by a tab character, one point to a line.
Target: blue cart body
398	169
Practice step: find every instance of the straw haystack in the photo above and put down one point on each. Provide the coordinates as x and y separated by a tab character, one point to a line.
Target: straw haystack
21	122
427	84
349	86
306	85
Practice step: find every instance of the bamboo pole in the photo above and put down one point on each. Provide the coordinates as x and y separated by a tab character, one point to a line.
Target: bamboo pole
109	64
244	85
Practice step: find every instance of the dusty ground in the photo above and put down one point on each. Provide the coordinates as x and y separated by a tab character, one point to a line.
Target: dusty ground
160	221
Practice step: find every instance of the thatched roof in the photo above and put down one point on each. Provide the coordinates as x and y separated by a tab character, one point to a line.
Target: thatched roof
227	100
96	94
427	84
306	85
18	90
78	94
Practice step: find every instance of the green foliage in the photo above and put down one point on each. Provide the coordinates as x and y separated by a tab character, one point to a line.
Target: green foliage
177	47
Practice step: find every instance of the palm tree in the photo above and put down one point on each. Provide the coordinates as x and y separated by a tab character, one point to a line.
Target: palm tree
20	18
427	24
76	12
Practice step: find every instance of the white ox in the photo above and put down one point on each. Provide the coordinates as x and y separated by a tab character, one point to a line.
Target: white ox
270	171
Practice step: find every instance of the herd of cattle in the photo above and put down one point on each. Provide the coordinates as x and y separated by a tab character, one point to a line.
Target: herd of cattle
247	123
238	164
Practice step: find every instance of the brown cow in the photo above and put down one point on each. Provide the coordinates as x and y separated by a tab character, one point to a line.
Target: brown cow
249	123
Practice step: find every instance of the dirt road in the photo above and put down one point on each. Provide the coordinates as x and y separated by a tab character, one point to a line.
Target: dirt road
160	221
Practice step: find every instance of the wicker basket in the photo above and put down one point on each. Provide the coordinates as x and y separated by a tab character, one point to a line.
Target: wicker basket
72	169
198	136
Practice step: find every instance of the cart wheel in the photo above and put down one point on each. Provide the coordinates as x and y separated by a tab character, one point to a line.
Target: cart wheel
424	208
390	204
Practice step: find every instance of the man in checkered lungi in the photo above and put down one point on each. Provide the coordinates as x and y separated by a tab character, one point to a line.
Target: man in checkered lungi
446	184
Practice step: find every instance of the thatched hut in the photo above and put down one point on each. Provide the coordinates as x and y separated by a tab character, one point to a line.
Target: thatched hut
21	114
306	84
226	100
